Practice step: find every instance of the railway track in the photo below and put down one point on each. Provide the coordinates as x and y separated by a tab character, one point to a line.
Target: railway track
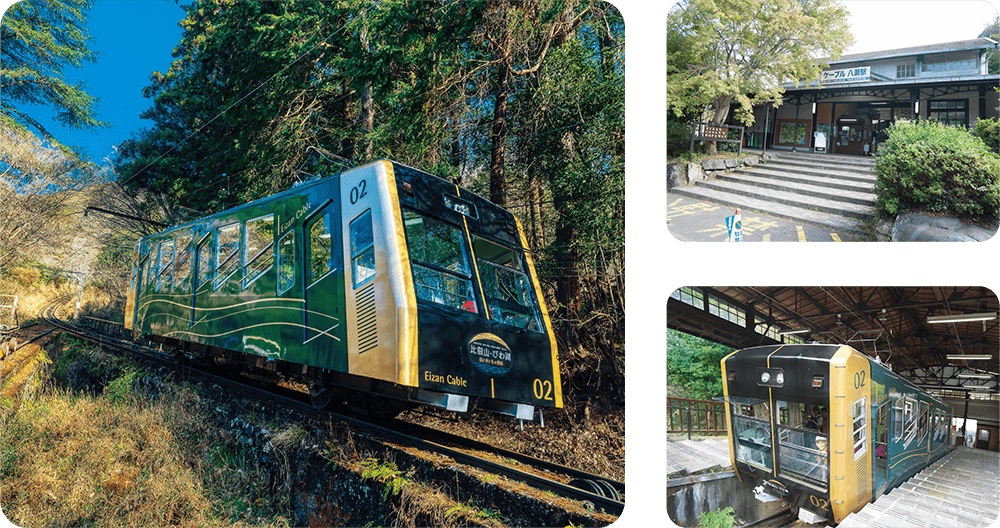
604	494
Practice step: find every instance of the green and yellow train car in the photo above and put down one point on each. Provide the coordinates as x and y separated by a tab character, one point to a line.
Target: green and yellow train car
382	281
825	428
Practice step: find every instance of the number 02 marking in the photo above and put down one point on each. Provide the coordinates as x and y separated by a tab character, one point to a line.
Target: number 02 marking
819	503
358	192
859	379
542	389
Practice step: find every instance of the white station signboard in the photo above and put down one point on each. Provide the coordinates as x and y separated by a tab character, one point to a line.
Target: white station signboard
860	74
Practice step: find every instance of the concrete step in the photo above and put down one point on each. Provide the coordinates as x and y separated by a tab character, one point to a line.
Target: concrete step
796	213
958	490
832	159
803	188
859	183
823	204
821	189
829	171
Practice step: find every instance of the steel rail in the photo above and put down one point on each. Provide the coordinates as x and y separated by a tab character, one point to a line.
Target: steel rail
296	399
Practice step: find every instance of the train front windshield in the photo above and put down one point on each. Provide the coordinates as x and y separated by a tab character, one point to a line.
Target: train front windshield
752	426
444	275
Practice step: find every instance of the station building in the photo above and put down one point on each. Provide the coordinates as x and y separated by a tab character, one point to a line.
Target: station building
862	94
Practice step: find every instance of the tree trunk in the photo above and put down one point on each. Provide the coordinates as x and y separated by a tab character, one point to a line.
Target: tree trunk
498	173
721	105
367	109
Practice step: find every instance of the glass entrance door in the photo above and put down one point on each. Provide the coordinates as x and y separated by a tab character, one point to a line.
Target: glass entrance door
852	139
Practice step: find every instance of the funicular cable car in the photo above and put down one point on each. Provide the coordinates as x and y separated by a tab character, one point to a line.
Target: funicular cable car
826	429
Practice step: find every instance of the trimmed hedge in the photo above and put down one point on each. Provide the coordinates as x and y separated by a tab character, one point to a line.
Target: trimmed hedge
925	164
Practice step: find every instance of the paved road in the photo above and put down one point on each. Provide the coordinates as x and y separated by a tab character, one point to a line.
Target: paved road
691	220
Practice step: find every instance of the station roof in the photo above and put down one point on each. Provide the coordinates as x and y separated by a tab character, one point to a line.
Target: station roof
893	324
943	47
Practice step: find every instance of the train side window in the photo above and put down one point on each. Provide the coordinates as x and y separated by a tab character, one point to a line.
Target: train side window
165	273
941	431
752	426
923	421
205	256
286	262
321	247
362	248
909	420
860	415
897	420
258	241
182	266
147	264
227	250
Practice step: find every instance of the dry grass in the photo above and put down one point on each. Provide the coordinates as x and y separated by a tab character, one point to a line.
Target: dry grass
32	291
72	461
125	457
21	374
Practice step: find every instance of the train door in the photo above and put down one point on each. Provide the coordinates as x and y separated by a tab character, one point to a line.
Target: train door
880	443
323	292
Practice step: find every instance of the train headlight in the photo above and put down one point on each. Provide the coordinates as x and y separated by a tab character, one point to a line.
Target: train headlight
771	377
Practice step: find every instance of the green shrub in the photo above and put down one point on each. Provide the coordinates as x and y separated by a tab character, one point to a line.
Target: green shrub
718	519
678	138
989	131
928	165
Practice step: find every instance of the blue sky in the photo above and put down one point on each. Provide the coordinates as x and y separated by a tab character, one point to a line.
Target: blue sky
134	38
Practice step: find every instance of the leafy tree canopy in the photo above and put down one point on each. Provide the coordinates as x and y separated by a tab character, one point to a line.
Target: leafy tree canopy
38	39
262	93
721	51
694	364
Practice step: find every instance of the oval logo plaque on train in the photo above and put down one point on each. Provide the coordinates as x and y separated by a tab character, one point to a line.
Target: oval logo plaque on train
490	354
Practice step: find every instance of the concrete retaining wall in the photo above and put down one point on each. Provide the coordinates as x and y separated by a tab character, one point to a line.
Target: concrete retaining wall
689	497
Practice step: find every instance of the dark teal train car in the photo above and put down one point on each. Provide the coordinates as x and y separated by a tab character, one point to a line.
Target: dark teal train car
383	280
825	428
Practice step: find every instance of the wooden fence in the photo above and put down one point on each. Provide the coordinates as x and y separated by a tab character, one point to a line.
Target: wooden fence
696	416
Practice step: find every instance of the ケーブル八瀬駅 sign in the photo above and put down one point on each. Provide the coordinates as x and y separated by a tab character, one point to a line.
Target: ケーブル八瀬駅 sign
859	74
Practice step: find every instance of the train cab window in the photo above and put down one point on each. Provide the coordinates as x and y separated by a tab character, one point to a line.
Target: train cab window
227	250
258	241
752	426
508	290
803	448
441	271
182	266
860	417
362	248
320	247
286	262
165	268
